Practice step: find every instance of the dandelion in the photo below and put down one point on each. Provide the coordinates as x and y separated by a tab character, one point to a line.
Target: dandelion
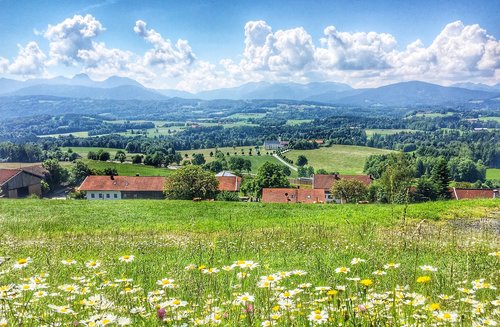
423	279
342	270
93	264
366	282
126	258
22	263
434	307
318	317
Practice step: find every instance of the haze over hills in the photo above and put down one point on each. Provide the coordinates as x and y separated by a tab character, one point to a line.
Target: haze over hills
120	88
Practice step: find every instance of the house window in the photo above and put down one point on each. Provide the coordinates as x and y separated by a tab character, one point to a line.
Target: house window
116	196
92	195
107	196
292	196
100	195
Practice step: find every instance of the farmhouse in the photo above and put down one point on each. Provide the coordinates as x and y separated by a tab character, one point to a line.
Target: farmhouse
292	195
18	183
123	187
275	145
325	182
464	193
228	181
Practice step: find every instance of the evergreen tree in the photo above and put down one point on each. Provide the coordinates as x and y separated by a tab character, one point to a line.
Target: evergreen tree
441	177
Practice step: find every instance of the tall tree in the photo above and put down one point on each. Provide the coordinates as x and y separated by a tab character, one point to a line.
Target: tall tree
396	179
441	177
191	182
270	175
56	174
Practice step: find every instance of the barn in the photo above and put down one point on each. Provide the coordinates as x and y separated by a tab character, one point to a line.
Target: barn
19	183
123	187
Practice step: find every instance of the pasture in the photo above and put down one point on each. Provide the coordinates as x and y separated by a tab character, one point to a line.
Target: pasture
346	159
128	169
371	132
150	263
493	173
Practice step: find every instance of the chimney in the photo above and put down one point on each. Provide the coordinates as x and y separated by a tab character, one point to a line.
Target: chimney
495	194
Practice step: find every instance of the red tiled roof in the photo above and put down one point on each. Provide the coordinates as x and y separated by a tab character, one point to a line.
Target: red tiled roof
229	183
464	193
6	174
293	195
123	183
326	182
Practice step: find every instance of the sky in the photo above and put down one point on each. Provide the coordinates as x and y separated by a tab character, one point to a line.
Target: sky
200	45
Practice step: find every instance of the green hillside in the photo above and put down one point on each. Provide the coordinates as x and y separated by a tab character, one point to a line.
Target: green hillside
346	159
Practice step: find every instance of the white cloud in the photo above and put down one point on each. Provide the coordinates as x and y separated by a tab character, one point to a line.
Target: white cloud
172	59
4	64
71	36
30	61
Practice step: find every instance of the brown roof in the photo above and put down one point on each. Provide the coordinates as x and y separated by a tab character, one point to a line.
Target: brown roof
326	182
229	183
293	195
6	174
465	193
36	170
123	183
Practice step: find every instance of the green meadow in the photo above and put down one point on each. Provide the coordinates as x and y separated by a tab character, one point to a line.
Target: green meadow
152	263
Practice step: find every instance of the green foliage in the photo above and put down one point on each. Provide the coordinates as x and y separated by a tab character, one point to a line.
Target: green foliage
120	156
440	176
396	179
466	170
198	159
103	155
349	191
305	171
301	161
270	176
426	190
56	174
79	171
191	182
239	164
137	159
45	187
227	196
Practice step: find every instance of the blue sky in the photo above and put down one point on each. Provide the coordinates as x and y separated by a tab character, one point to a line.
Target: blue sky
222	45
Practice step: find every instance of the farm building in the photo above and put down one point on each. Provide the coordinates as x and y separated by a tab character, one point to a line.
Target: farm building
325	182
228	181
464	193
123	187
292	195
275	145
18	183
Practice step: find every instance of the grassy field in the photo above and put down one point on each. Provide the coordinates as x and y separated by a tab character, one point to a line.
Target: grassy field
128	169
492	173
346	159
83	151
497	119
173	263
370	132
293	122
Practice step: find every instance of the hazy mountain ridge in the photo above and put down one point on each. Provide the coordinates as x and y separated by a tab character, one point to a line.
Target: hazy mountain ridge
411	93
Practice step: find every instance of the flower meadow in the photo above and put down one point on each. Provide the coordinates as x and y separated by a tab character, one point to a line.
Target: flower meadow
420	273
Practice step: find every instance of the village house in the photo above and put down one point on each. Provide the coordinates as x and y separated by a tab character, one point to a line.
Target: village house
465	193
19	183
325	182
228	181
275	145
123	187
292	195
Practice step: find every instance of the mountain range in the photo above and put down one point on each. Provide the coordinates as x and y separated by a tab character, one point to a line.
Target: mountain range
122	88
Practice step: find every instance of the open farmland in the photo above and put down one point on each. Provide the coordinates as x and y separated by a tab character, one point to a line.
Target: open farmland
242	264
346	159
493	173
129	169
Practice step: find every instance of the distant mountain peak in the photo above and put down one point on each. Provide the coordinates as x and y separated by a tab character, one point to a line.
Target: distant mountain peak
81	77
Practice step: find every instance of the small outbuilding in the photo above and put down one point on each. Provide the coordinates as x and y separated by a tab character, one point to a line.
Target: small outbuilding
228	181
20	183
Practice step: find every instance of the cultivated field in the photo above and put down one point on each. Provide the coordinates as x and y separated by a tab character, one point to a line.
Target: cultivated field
248	264
346	159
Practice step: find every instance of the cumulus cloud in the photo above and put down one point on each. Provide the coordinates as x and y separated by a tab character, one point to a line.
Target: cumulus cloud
30	61
4	64
173	59
71	36
355	51
284	51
